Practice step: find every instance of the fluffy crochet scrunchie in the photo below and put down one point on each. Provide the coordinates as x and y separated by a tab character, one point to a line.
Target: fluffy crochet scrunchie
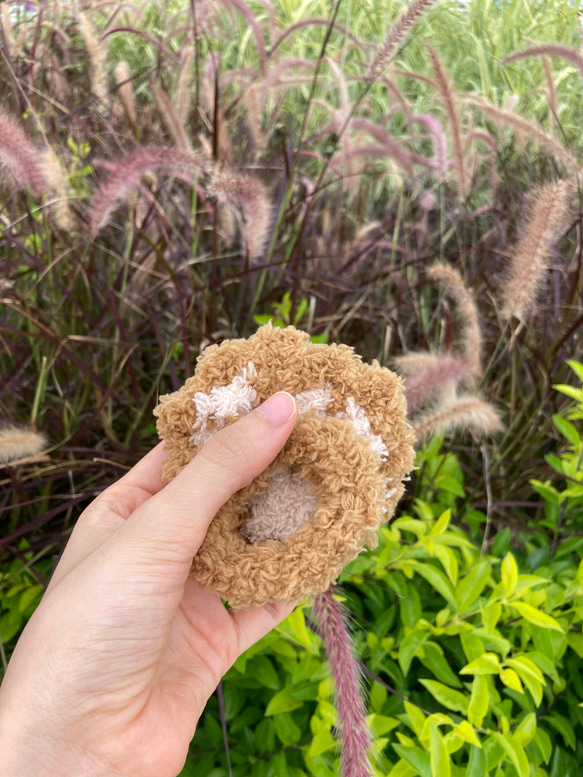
290	532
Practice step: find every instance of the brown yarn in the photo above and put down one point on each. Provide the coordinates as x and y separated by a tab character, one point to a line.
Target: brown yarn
347	478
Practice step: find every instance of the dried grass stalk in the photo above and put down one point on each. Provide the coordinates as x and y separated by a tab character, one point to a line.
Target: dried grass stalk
547	215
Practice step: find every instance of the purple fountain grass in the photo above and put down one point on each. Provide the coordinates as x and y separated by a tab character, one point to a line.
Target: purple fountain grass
440	371
171	118
20	158
461	413
397	35
249	197
123	78
346	674
253	24
126	176
524	127
433	126
452	109
551	50
472	335
96	50
547	215
59	185
17	443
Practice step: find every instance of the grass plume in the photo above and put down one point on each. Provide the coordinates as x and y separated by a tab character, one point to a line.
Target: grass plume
463	413
347	682
19	157
17	443
449	101
123	78
453	284
549	50
248	197
96	51
127	172
397	35
547	215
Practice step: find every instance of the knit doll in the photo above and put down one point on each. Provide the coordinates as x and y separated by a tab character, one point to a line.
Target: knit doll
290	533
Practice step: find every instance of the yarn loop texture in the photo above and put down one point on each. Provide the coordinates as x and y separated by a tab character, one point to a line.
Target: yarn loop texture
342	466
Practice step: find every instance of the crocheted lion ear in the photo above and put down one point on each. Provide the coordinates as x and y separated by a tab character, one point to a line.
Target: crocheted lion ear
290	532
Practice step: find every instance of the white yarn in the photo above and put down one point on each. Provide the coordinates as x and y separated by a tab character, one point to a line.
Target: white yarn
314	399
357	417
223	402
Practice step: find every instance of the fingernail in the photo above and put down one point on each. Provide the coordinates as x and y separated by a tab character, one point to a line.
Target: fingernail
279	408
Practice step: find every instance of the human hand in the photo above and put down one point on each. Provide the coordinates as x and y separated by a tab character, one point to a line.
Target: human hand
115	667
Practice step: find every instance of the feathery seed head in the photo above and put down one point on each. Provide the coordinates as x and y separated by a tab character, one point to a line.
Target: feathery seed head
17	443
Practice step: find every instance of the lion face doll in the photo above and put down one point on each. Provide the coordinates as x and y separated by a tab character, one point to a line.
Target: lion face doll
290	533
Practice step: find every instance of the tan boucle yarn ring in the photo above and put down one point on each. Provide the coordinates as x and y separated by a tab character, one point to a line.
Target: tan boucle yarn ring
290	532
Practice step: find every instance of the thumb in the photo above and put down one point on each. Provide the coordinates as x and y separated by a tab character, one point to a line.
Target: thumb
171	526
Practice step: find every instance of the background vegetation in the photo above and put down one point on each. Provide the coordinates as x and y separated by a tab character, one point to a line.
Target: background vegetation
399	180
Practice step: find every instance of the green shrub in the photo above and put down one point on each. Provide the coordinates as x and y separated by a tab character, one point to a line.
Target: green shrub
472	654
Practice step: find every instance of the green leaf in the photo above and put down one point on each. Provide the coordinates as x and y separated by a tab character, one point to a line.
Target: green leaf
530	675
447	697
542	743
322	742
526	729
448	560
381	724
567	429
29	596
263	670
569	391
563	725
577	368
431	656
509	574
472	585
402	769
416	758
511	680
409	647
288	732
515	753
283	701
440	763
436	578
537	617
479	701
486	664
477	765
441	524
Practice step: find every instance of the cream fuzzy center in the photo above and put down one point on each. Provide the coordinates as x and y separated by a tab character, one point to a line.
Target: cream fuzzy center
282	509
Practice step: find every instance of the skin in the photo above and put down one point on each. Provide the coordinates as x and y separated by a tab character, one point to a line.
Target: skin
115	667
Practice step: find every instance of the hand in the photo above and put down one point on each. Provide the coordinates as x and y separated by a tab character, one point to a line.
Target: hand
115	667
